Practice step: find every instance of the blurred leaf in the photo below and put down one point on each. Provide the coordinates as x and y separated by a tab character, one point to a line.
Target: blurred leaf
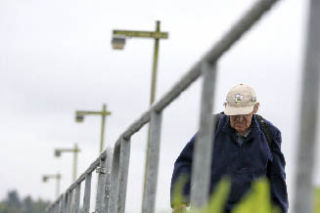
317	200
257	200
178	197
218	198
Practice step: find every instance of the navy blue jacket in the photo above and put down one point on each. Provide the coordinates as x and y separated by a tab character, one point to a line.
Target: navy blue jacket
241	163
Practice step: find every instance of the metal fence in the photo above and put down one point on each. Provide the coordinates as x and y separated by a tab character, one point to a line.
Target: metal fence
112	168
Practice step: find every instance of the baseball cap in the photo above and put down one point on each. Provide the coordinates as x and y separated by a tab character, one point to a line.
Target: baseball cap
240	100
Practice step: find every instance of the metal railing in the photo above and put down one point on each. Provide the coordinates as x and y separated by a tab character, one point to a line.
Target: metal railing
112	186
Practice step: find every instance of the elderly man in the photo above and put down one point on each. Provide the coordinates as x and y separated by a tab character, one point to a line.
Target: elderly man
246	147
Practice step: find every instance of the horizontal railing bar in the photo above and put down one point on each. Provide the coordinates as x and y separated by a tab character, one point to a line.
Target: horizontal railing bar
91	168
235	32
82	177
238	29
136	126
57	200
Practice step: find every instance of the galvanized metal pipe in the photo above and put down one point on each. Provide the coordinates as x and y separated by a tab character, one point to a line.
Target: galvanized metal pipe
112	208
51	209
202	155
91	168
56	208
77	199
64	203
304	196
87	194
108	178
123	175
60	201
68	202
152	159
101	187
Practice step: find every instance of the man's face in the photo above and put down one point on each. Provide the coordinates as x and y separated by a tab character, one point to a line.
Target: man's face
241	123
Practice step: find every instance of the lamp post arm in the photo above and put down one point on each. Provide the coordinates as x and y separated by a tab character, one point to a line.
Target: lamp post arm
69	150
50	176
105	113
140	34
89	113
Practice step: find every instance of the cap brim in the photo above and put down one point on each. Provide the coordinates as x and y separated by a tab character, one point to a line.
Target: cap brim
229	110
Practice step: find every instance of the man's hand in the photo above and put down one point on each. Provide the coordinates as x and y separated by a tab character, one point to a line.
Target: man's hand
180	209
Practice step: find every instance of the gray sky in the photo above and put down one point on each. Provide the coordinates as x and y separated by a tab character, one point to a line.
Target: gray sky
56	57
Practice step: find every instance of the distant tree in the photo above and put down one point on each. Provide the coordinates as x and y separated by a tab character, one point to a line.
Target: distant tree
13	204
13	200
27	205
40	206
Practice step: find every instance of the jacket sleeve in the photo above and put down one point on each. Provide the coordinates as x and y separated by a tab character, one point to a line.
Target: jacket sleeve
277	175
182	168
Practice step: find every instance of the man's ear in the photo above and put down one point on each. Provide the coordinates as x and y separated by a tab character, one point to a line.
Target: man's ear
256	108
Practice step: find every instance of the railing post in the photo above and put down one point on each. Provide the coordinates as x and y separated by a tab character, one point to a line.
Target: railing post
87	194
56	207
119	177
202	154
63	203
108	178
152	164
60	209
123	174
308	114
69	201
77	198
112	208
101	170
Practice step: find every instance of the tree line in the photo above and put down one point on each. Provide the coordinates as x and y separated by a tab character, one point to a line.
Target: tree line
14	204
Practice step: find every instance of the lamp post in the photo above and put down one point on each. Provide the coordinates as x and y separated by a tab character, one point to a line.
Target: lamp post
75	150
119	40
80	117
57	176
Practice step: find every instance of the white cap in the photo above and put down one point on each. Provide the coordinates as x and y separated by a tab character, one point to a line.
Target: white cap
240	100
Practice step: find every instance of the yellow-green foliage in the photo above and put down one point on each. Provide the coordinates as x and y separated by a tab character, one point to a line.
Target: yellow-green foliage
317	200
178	190
256	201
218	198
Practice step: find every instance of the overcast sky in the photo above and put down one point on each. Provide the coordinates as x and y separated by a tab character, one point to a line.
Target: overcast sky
56	58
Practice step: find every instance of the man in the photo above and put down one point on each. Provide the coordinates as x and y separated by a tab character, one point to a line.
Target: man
246	147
